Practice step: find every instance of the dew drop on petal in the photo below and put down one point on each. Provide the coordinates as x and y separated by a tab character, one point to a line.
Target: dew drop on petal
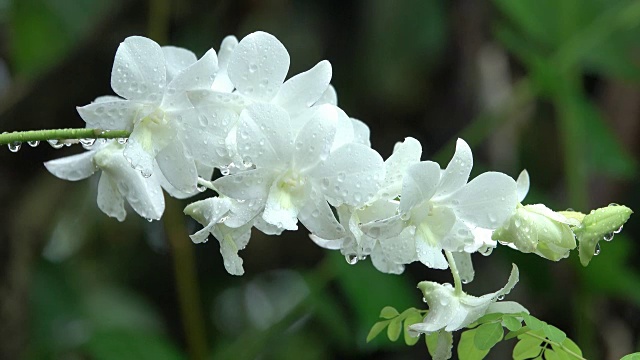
500	297
424	300
597	251
619	230
201	188
609	236
351	259
122	141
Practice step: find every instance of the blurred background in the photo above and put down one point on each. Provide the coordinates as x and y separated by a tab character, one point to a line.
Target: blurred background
550	86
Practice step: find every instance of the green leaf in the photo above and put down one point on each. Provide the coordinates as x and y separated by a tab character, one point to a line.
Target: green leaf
596	225
634	356
388	312
377	329
554	334
467	349
533	323
511	323
549	354
489	317
527	348
517	333
487	335
394	329
572	346
411	319
561	353
431	341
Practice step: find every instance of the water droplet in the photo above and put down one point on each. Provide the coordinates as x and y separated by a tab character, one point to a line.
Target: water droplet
500	297
570	209
614	204
224	170
424	300
122	141
145	174
56	144
33	143
597	251
465	280
149	219
608	237
15	146
253	68
87	143
619	230
487	251
351	259
201	188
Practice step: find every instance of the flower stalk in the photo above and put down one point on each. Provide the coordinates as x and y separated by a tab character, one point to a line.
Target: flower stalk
454	271
60	134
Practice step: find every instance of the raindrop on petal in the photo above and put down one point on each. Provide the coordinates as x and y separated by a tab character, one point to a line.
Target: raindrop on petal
597	251
351	259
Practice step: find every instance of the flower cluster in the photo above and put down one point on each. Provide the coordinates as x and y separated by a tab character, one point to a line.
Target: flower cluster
288	154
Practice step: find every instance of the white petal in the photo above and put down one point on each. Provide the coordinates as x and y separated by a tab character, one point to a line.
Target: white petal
222	82
313	142
264	135
459	238
146	141
506	307
258	66
139	71
350	175
487	201
418	184
405	153
282	207
400	249
383	264
384	229
247	185
178	168
265	228
344	133
304	89
317	217
198	75
231	241
109	199
361	132
513	280
177	59
204	131
244	212
111	115
431	255
327	244
329	96
456	175
73	168
465	266
209	210
522	185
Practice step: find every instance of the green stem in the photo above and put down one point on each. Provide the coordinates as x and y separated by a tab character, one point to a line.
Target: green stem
454	272
553	343
61	134
188	290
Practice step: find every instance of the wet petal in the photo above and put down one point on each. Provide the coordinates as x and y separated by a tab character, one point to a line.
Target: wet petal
258	66
178	168
139	71
177	59
115	114
264	136
418	184
304	89
73	168
313	142
456	175
110	201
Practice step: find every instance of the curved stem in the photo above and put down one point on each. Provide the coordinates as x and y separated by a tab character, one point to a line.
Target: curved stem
454	272
61	134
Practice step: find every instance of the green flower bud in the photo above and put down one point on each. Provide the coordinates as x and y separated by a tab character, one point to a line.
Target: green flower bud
600	224
537	229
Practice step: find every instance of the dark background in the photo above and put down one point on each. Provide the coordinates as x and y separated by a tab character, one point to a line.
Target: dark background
550	86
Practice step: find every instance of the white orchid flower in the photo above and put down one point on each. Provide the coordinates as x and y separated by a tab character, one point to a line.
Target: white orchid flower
152	82
117	182
387	255
453	310
256	68
296	174
211	213
441	209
